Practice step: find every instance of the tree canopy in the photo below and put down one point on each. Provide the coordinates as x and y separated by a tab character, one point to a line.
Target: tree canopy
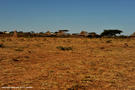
111	32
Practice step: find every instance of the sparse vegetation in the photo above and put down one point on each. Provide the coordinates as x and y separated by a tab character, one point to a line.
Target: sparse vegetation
1	45
109	41
68	63
64	48
111	33
18	49
64	34
15	59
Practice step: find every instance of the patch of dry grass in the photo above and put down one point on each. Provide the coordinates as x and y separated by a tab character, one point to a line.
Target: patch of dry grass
89	64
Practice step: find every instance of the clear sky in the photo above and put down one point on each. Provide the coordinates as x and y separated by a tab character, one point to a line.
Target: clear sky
74	15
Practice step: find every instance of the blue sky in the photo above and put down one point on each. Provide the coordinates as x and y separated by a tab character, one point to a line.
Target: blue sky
74	15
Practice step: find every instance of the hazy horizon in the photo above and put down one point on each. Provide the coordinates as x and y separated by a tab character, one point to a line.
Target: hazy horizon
73	15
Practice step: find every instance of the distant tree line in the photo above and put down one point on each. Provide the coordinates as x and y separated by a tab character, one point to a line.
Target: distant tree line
63	33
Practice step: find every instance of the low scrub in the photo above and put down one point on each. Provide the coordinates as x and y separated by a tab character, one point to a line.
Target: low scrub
1	45
18	49
109	41
64	48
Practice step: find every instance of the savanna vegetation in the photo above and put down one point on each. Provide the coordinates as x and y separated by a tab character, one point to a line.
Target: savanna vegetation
67	63
63	33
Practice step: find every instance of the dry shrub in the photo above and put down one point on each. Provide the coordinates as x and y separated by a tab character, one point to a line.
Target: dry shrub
9	39
1	45
77	87
109	41
22	39
16	59
2	40
102	47
19	49
64	48
125	44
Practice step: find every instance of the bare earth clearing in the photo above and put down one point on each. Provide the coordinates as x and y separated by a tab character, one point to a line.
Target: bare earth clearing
88	64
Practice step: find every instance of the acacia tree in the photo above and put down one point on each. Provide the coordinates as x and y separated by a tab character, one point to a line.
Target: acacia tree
83	33
61	32
111	32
